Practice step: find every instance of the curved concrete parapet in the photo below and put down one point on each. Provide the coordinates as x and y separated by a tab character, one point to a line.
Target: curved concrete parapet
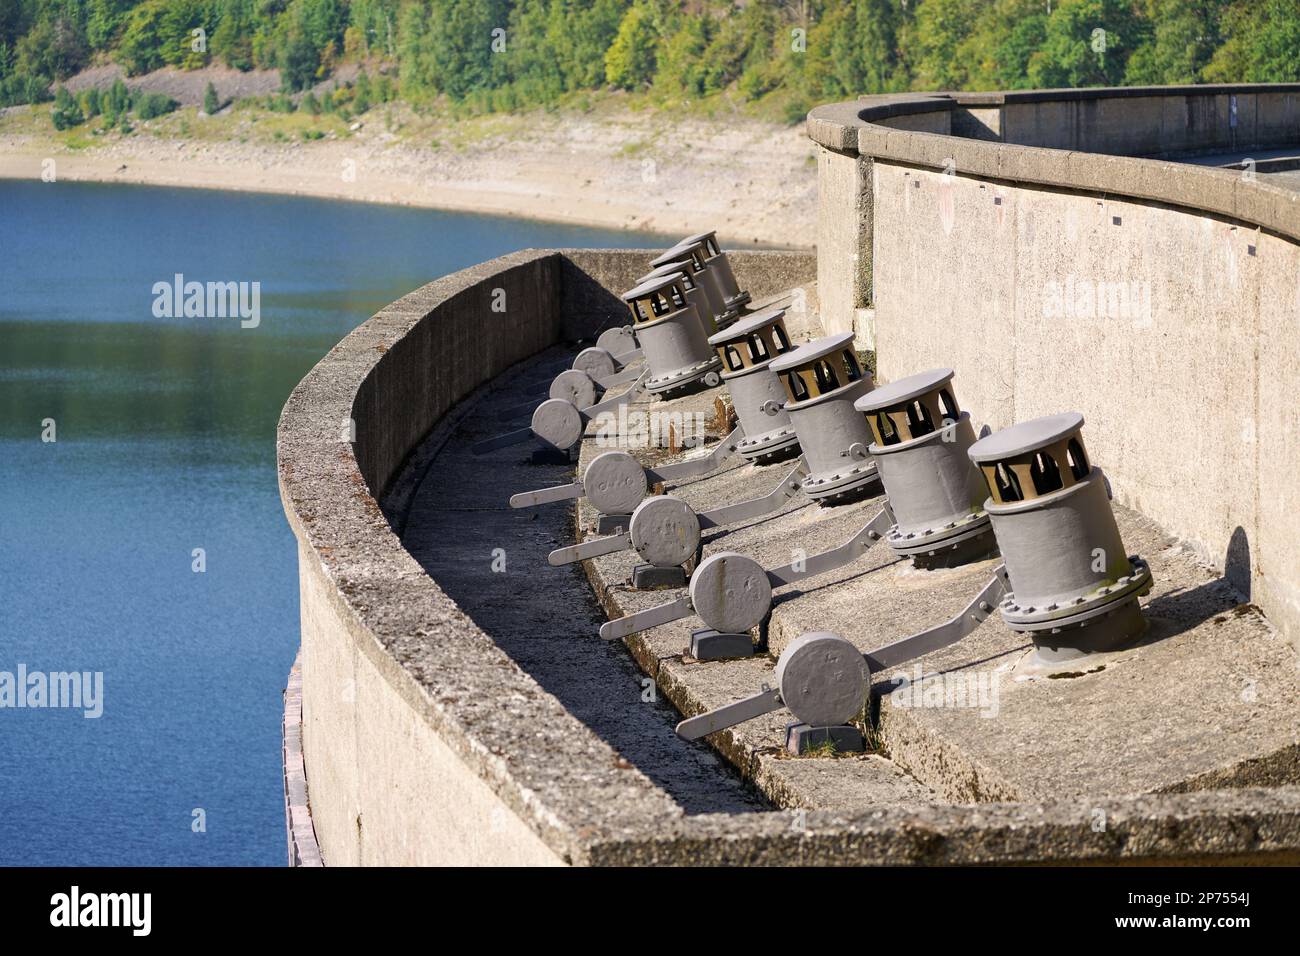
424	742
1112	245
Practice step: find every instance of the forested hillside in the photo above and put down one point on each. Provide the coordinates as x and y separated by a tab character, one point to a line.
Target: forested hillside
507	54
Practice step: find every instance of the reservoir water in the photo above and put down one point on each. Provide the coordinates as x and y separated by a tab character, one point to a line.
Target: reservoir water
141	533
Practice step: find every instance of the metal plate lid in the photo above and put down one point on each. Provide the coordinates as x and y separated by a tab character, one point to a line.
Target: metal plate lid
1025	437
810	351
904	390
750	323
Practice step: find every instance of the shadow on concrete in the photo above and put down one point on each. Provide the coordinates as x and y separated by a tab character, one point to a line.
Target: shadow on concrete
1183	609
491	561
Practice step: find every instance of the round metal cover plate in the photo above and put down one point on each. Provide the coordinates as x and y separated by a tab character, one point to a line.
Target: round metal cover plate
595	361
665	531
823	679
573	385
614	483
731	592
617	341
558	424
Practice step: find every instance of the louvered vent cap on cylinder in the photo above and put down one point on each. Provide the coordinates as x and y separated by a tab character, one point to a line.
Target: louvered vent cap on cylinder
921	442
1074	588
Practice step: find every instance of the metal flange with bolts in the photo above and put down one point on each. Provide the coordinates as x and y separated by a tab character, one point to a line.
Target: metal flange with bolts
747	349
822	379
665	531
824	680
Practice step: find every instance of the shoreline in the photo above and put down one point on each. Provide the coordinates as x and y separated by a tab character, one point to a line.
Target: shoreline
567	170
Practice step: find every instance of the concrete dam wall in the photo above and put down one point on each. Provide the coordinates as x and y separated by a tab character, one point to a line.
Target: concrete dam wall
1031	242
1050	249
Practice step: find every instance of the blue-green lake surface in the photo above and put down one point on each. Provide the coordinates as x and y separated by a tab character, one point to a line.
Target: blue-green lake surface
165	443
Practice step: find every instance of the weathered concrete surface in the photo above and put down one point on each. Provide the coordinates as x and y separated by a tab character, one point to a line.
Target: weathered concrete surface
1212	699
1057	258
425	742
843	237
1169	331
492	562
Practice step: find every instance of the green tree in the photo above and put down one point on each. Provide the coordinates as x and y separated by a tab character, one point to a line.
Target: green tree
934	40
1182	41
117	101
1088	43
66	113
232	40
140	49
630	60
1262	45
298	63
211	102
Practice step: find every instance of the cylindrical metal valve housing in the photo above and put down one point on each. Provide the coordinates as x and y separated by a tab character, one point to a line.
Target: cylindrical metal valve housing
706	277
921	442
732	295
672	335
702	288
822	380
1074	588
747	348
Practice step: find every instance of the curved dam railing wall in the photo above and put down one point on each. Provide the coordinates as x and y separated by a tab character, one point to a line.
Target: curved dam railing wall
1031	242
416	727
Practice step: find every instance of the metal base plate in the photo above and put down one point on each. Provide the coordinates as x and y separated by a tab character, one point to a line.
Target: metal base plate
612	524
840	739
646	577
1080	647
690	375
710	645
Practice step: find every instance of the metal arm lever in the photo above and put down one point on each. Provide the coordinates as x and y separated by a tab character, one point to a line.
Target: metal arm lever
609	404
643	620
590	549
837	557
546	496
757	507
950	632
695	467
714	720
